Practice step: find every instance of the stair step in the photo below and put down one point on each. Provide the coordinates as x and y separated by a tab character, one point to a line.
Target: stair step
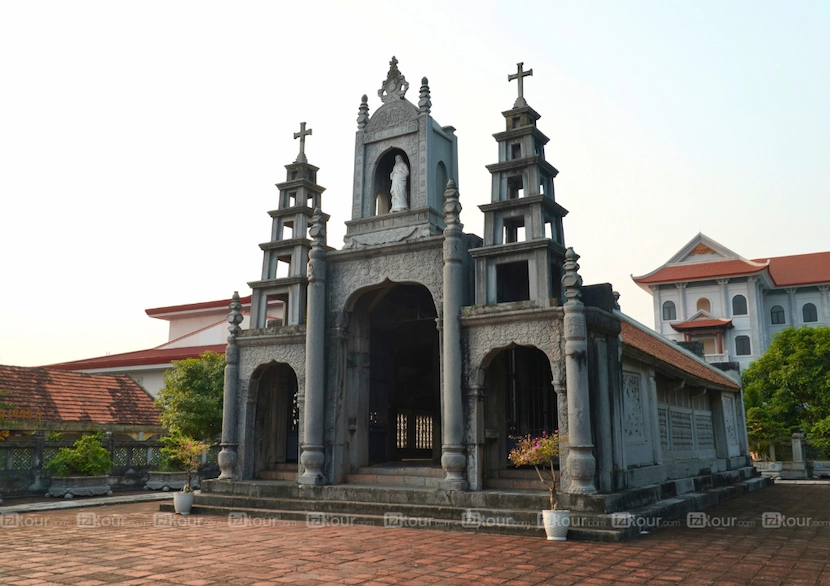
434	472
509	483
393	480
278	474
517	473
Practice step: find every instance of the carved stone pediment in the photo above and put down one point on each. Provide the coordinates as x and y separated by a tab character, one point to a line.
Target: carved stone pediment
391	115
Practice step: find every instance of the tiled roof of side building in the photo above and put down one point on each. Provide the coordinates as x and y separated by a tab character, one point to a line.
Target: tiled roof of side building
703	323
648	342
78	397
800	269
139	358
220	304
701	270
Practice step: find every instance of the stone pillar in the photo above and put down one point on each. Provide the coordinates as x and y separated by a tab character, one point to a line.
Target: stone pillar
755	317
228	457
453	451
561	389
655	418
726	312
581	463
681	309
658	308
312	455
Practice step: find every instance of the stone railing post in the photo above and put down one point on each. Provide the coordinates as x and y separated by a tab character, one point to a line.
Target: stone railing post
581	463
453	450
229	457
312	457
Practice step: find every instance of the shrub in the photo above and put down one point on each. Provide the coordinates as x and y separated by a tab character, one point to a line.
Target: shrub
87	457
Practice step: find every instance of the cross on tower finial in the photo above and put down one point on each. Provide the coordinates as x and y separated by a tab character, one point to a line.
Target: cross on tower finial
301	135
520	75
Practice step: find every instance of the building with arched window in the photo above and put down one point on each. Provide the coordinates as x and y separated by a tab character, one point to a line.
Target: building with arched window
707	293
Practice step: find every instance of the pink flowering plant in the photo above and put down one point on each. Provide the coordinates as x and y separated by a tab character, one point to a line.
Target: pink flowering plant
540	453
184	451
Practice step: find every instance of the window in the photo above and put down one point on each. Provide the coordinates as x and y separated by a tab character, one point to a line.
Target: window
742	346
809	313
739	305
776	315
669	311
704	304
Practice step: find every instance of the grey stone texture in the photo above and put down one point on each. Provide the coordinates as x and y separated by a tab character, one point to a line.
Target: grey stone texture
419	344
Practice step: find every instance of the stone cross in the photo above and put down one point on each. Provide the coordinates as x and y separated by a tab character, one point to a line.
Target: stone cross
520	75
301	135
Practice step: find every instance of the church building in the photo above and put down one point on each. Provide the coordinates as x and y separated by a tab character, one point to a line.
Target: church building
413	357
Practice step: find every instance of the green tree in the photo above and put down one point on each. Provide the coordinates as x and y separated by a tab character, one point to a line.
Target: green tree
87	457
788	388
191	400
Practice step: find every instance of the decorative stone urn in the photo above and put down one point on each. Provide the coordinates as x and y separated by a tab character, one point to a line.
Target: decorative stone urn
168	481
556	523
72	486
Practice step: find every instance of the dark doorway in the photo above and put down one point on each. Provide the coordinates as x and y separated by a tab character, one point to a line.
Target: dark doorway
404	398
277	418
520	400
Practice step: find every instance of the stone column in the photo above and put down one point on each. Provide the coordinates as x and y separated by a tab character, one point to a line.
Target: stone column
681	309
453	451
581	463
658	308
312	455
228	457
561	389
753	301
726	312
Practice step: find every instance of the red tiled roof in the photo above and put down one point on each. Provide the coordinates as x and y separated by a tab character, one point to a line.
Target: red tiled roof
76	397
221	304
139	358
695	324
800	269
695	271
667	352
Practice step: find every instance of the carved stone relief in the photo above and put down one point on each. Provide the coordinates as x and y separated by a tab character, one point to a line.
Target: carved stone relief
633	401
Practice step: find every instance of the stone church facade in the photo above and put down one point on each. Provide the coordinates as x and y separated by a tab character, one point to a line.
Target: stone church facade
421	346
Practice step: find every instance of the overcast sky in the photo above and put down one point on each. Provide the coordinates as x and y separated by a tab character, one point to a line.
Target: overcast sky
140	142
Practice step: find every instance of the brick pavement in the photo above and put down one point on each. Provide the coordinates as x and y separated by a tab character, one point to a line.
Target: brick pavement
122	545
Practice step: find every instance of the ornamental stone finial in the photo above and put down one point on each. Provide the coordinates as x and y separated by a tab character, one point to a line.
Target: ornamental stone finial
452	207
363	113
318	228
395	85
424	103
234	318
571	280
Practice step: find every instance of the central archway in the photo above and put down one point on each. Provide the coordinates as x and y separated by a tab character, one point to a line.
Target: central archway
277	418
402	397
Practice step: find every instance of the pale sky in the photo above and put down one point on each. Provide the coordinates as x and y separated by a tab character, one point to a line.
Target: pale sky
140	142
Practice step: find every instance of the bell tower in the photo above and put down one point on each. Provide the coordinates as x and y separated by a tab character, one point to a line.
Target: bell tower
524	247
285	256
403	159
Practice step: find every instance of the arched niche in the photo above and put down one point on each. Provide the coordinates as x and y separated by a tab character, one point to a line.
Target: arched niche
383	183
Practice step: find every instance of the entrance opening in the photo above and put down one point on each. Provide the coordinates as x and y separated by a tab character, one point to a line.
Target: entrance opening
383	181
404	398
520	401
277	418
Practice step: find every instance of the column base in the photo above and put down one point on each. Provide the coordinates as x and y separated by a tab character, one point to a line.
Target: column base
312	460
311	479
454	462
227	460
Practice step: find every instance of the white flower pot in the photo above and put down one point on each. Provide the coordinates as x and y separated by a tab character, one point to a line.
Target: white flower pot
182	502
556	524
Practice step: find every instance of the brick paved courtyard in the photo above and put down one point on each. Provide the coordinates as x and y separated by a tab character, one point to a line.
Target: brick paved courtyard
133	544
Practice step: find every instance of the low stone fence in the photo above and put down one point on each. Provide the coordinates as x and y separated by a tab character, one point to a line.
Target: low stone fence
22	464
795	460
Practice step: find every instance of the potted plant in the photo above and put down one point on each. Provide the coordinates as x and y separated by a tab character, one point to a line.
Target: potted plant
186	452
540	453
80	470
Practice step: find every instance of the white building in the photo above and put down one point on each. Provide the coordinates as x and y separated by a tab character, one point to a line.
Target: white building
707	293
195	328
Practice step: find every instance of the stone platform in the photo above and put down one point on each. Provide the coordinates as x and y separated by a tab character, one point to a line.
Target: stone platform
610	517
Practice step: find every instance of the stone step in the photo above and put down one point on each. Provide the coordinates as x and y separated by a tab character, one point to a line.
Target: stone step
508	483
392	519
430	471
278	474
516	473
391	480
